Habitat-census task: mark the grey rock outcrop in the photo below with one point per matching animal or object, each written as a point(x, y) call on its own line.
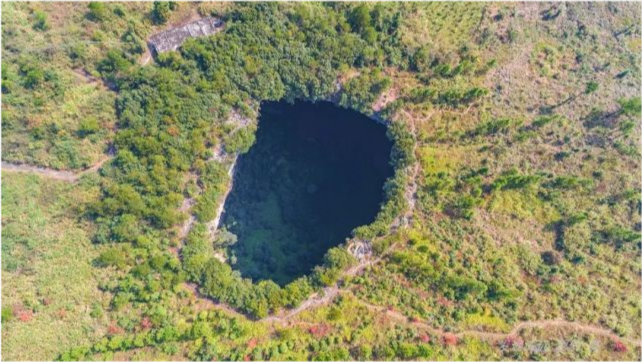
point(173, 38)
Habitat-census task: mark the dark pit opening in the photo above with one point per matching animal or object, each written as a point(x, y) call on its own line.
point(315, 173)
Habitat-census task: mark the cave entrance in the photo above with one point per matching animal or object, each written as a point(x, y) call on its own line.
point(315, 173)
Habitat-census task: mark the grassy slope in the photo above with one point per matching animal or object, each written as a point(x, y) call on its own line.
point(48, 282)
point(512, 227)
point(41, 122)
point(609, 278)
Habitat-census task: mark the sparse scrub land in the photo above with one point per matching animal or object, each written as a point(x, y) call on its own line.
point(510, 229)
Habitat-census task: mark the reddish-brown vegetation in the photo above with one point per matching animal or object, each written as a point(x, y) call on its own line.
point(320, 330)
point(114, 329)
point(146, 323)
point(252, 343)
point(24, 315)
point(618, 346)
point(450, 339)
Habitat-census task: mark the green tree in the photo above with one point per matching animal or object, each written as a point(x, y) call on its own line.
point(114, 256)
point(34, 77)
point(97, 11)
point(7, 314)
point(591, 87)
point(360, 18)
point(421, 60)
point(161, 11)
point(631, 107)
point(88, 126)
point(4, 70)
point(41, 21)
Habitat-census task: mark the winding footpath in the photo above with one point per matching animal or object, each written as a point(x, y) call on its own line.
point(68, 176)
point(497, 336)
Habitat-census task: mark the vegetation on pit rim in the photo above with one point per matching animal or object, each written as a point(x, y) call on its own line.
point(528, 196)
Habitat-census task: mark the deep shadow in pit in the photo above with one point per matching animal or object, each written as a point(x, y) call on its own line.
point(315, 173)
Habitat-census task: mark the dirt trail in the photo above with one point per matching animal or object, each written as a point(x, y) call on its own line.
point(496, 336)
point(68, 176)
point(327, 294)
point(411, 192)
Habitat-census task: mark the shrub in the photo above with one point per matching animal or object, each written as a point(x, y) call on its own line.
point(32, 75)
point(462, 286)
point(550, 257)
point(618, 346)
point(114, 64)
point(362, 91)
point(513, 180)
point(5, 86)
point(207, 205)
point(618, 236)
point(544, 120)
point(631, 107)
point(407, 351)
point(334, 261)
point(7, 314)
point(97, 11)
point(450, 339)
point(567, 183)
point(360, 18)
point(4, 70)
point(161, 11)
point(41, 21)
point(114, 256)
point(241, 140)
point(335, 314)
point(456, 97)
point(420, 60)
point(591, 87)
point(88, 126)
point(338, 258)
point(492, 127)
point(464, 206)
point(627, 127)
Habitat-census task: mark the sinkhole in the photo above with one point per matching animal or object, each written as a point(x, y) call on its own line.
point(315, 173)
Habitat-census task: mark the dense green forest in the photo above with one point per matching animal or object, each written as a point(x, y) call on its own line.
point(509, 230)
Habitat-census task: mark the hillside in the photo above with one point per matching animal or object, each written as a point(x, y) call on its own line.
point(509, 230)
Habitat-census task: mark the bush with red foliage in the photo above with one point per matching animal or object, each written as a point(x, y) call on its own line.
point(24, 315)
point(424, 338)
point(146, 323)
point(618, 346)
point(319, 330)
point(445, 302)
point(252, 343)
point(114, 329)
point(450, 339)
